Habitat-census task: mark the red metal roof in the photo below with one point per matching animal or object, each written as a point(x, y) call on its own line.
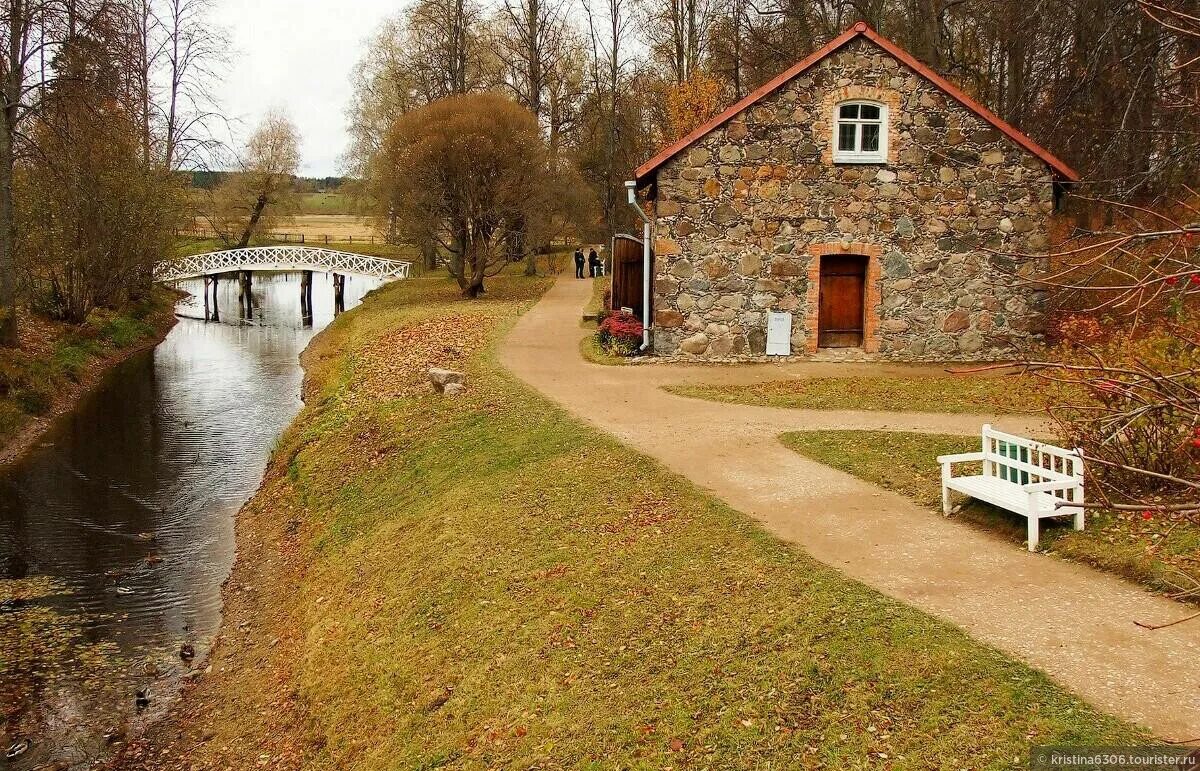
point(863, 30)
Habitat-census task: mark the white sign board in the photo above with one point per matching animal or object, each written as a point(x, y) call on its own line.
point(779, 334)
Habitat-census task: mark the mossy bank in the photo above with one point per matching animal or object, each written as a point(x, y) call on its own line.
point(483, 581)
point(57, 363)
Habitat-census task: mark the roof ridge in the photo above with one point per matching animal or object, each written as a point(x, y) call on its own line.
point(859, 29)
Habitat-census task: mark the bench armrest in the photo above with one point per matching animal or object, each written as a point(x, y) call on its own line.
point(964, 457)
point(1045, 487)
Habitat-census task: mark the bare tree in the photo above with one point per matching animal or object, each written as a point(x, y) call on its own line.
point(565, 89)
point(677, 31)
point(609, 30)
point(191, 52)
point(445, 50)
point(530, 41)
point(175, 56)
point(264, 186)
point(385, 87)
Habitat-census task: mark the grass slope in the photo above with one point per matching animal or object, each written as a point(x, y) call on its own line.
point(54, 359)
point(959, 394)
point(1160, 552)
point(491, 583)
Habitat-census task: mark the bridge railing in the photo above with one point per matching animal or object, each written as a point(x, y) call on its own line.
point(288, 258)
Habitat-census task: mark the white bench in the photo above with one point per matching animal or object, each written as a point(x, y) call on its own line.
point(1023, 476)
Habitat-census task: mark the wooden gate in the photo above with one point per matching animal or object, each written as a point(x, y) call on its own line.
point(843, 301)
point(627, 275)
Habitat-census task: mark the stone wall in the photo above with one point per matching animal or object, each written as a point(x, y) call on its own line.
point(743, 216)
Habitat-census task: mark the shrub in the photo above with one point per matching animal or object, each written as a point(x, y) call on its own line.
point(71, 360)
point(32, 401)
point(1130, 403)
point(11, 418)
point(620, 333)
point(123, 331)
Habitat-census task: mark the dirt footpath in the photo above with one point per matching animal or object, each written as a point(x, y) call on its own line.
point(1074, 623)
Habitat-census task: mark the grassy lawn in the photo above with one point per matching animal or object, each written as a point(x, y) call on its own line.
point(1159, 553)
point(596, 301)
point(963, 394)
point(490, 583)
point(54, 358)
point(589, 348)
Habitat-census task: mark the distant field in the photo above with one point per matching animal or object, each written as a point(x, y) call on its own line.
point(326, 203)
point(337, 226)
point(315, 228)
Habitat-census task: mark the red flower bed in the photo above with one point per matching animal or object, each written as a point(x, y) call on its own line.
point(621, 333)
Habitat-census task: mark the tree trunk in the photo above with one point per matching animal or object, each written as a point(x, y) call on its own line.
point(533, 56)
point(255, 216)
point(8, 228)
point(928, 18)
point(475, 286)
point(429, 255)
point(459, 263)
point(1015, 55)
point(8, 267)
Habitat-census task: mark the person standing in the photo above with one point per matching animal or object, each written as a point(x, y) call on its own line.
point(579, 262)
point(593, 263)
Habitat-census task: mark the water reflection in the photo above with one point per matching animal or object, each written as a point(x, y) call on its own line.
point(117, 532)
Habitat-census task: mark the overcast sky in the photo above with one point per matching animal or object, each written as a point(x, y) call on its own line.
point(297, 55)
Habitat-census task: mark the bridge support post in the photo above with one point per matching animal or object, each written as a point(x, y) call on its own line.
point(212, 309)
point(247, 294)
point(306, 309)
point(339, 293)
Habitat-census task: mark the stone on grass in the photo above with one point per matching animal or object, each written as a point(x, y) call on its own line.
point(442, 379)
point(453, 389)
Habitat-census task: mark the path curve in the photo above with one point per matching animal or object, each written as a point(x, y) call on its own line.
point(1073, 623)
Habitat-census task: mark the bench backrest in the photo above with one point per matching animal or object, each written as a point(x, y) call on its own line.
point(1024, 461)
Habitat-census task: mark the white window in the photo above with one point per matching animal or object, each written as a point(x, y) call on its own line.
point(860, 133)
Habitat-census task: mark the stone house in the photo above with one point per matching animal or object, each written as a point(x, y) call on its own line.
point(865, 195)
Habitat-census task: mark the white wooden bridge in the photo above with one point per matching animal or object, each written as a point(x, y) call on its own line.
point(289, 258)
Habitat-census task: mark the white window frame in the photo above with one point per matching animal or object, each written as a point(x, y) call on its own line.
point(858, 155)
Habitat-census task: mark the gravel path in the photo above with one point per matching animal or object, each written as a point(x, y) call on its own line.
point(1074, 623)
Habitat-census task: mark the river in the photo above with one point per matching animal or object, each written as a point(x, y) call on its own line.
point(117, 530)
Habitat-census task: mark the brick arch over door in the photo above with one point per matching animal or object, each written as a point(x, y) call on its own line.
point(871, 300)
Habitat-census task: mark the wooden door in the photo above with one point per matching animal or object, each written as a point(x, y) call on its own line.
point(627, 275)
point(842, 301)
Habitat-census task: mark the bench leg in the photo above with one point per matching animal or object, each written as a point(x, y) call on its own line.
point(1033, 532)
point(1079, 520)
point(945, 490)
